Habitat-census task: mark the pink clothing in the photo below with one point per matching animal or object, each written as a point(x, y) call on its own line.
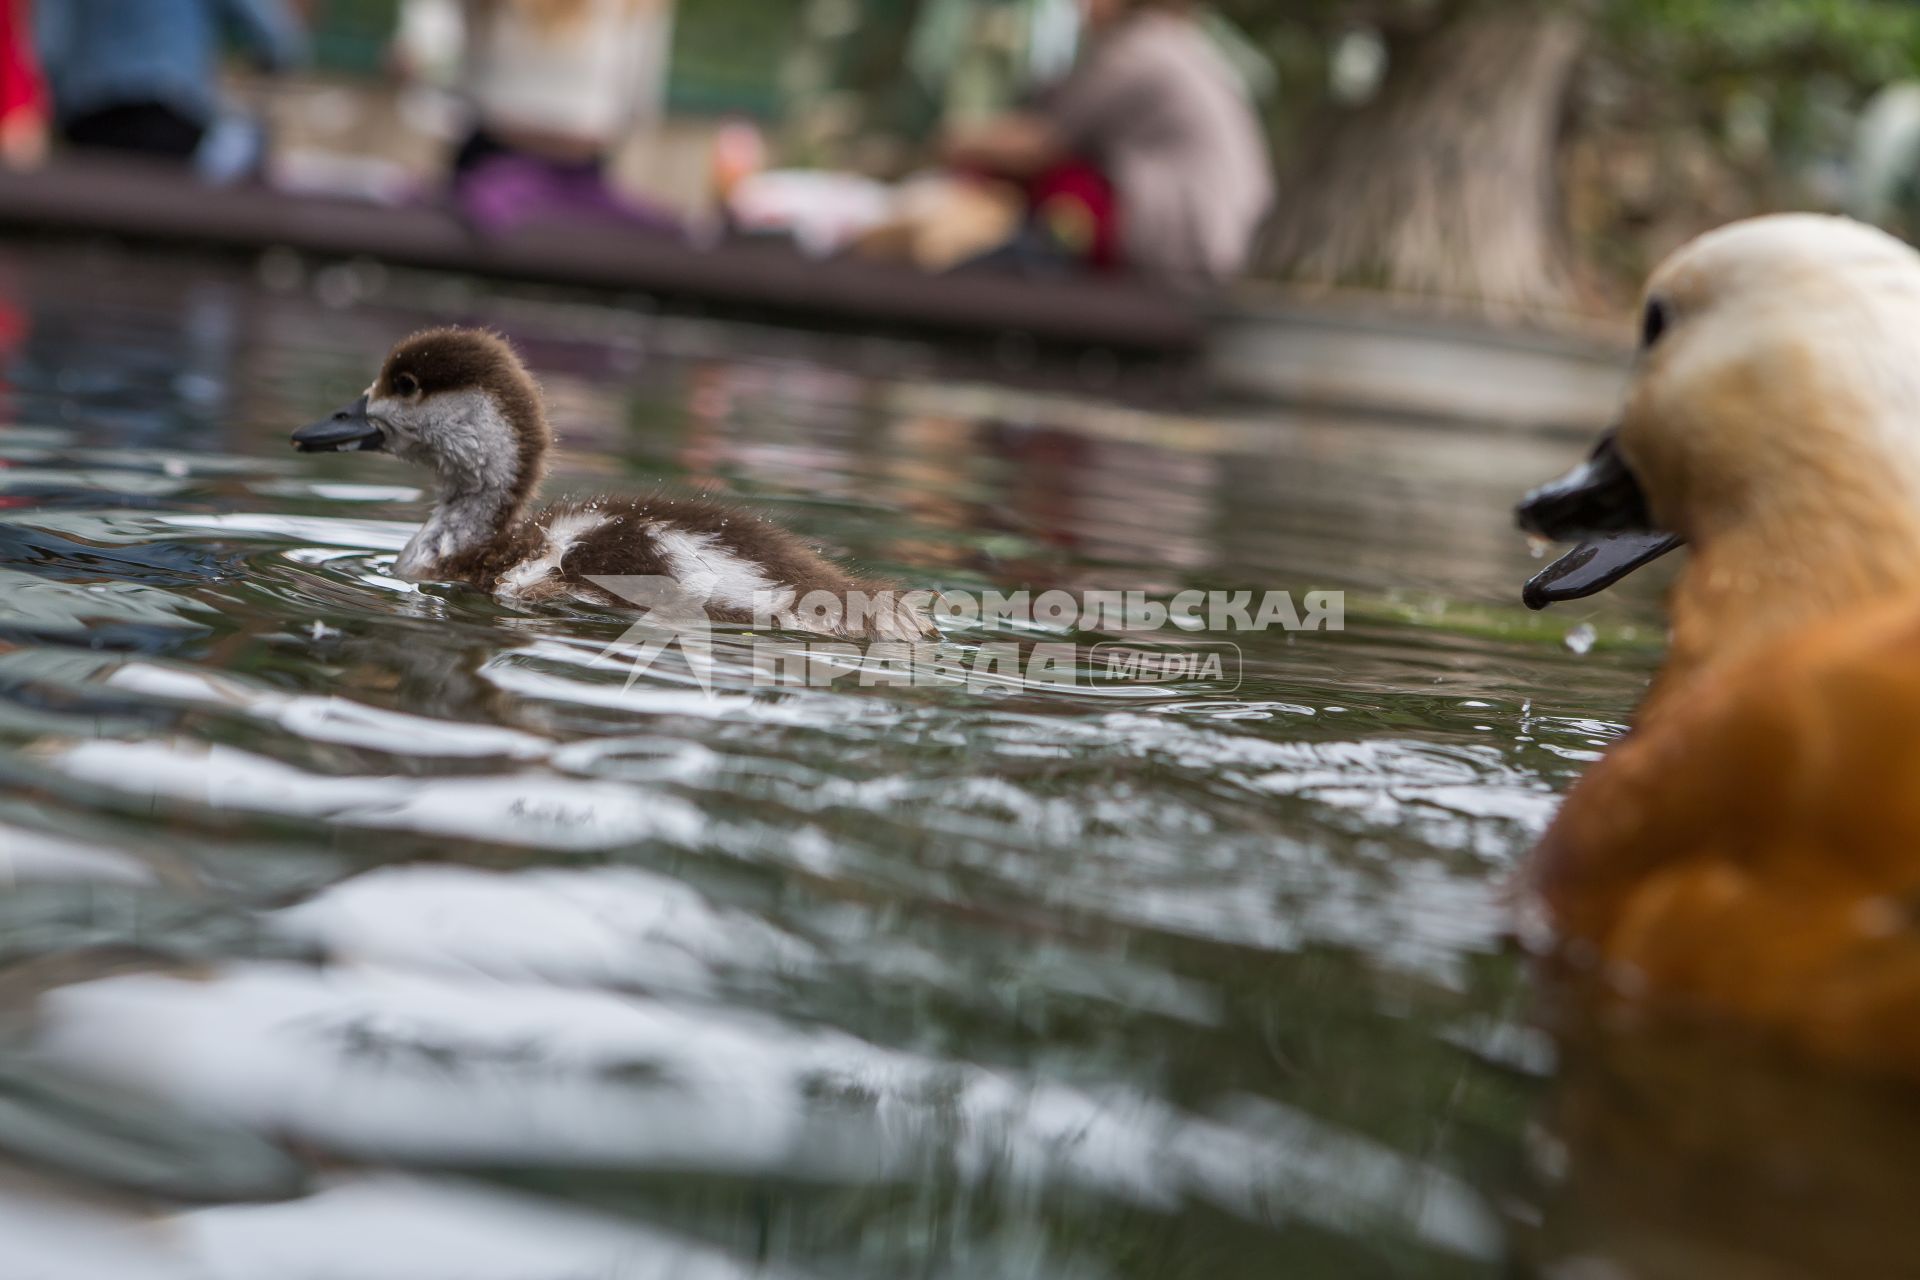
point(22, 89)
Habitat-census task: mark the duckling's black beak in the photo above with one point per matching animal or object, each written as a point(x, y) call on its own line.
point(1600, 505)
point(350, 428)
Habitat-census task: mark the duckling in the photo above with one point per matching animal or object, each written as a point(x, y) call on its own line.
point(1750, 851)
point(460, 403)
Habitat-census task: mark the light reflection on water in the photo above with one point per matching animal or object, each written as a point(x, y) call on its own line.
point(391, 910)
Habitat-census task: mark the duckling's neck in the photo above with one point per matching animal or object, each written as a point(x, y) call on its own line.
point(463, 526)
point(1762, 579)
point(488, 456)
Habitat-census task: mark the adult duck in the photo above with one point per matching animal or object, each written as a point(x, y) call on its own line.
point(1750, 851)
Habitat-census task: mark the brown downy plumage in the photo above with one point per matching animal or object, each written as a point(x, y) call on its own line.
point(461, 404)
point(1750, 852)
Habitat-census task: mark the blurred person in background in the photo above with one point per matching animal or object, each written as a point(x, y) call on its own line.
point(23, 96)
point(142, 76)
point(1148, 156)
point(554, 87)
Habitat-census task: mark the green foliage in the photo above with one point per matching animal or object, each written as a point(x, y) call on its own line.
point(1868, 42)
point(727, 55)
point(352, 35)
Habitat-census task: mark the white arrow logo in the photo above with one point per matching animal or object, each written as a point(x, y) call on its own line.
point(673, 613)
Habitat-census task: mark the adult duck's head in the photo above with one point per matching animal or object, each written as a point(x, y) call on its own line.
point(1772, 426)
point(456, 401)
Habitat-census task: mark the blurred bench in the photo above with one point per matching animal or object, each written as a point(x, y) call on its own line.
point(141, 202)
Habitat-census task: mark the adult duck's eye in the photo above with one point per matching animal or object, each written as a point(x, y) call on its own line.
point(405, 384)
point(1653, 323)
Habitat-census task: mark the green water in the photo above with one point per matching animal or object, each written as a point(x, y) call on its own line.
point(359, 929)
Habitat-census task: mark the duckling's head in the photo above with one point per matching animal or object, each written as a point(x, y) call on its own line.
point(1773, 416)
point(456, 401)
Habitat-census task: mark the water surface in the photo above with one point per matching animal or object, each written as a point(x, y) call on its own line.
point(354, 928)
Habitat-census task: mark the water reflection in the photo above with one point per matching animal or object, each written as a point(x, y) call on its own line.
point(1680, 1152)
point(362, 928)
point(368, 1227)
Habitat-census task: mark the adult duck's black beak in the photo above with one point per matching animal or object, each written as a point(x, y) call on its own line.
point(1600, 505)
point(350, 428)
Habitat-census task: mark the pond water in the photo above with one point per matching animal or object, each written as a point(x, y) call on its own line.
point(358, 929)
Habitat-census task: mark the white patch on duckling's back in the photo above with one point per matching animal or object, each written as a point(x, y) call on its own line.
point(536, 574)
point(708, 570)
point(702, 564)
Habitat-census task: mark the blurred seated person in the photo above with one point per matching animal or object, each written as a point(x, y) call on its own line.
point(555, 87)
point(143, 75)
point(1148, 156)
point(23, 98)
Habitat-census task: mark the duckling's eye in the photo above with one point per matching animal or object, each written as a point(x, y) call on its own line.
point(406, 385)
point(1653, 324)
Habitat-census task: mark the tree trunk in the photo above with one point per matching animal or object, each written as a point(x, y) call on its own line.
point(1444, 184)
